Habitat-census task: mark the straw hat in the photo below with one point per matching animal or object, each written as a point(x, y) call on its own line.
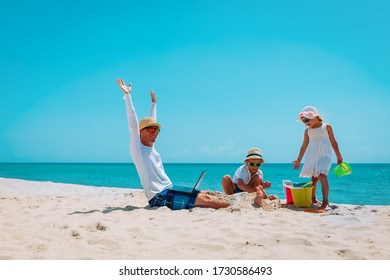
point(254, 153)
point(148, 121)
point(309, 112)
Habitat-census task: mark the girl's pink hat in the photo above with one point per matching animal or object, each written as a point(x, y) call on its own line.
point(309, 112)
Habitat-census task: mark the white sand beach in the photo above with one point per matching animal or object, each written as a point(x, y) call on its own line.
point(52, 221)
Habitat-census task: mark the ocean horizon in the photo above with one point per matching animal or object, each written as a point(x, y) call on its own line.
point(369, 183)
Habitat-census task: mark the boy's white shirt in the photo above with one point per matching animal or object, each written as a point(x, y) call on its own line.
point(243, 173)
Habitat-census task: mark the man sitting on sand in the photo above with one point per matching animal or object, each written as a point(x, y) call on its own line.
point(156, 183)
point(248, 177)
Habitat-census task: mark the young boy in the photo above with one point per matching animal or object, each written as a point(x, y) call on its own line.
point(248, 177)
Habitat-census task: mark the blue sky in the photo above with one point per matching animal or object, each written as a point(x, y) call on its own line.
point(228, 75)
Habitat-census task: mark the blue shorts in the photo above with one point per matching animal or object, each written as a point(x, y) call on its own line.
point(174, 200)
point(237, 189)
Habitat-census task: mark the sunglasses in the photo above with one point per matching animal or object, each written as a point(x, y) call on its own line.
point(306, 120)
point(254, 164)
point(152, 129)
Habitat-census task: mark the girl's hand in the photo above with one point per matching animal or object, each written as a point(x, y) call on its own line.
point(124, 88)
point(297, 164)
point(339, 159)
point(153, 96)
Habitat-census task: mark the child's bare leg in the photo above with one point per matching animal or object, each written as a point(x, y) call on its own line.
point(325, 191)
point(259, 196)
point(254, 182)
point(313, 196)
point(227, 184)
point(258, 182)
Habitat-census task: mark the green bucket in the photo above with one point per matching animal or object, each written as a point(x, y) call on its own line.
point(342, 169)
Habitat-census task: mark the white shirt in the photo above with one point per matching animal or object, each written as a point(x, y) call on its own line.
point(146, 159)
point(243, 173)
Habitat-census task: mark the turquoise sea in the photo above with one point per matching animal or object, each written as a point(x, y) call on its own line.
point(369, 184)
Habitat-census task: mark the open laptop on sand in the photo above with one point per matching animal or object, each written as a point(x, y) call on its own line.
point(188, 189)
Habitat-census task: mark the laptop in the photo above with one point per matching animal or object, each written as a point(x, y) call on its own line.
point(188, 189)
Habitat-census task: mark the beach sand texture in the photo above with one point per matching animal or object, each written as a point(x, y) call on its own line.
point(52, 221)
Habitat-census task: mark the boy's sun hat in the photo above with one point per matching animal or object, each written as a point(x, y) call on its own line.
point(309, 112)
point(254, 153)
point(148, 121)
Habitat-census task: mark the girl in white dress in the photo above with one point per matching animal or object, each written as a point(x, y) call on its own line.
point(318, 142)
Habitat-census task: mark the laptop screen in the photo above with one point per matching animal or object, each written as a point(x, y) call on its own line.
point(200, 179)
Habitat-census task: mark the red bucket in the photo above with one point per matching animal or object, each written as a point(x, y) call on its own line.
point(289, 197)
point(287, 185)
